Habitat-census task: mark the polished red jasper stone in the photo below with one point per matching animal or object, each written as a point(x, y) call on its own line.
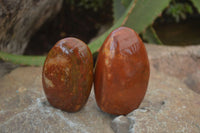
point(68, 74)
point(122, 72)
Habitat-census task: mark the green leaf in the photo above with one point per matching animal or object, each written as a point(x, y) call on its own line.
point(126, 2)
point(95, 45)
point(196, 4)
point(23, 60)
point(150, 36)
point(118, 9)
point(145, 13)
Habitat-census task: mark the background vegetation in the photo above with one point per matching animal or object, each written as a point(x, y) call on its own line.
point(137, 14)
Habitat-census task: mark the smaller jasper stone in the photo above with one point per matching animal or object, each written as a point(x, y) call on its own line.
point(68, 74)
point(122, 72)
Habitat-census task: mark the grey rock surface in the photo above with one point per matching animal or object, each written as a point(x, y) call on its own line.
point(19, 19)
point(182, 63)
point(169, 106)
point(24, 108)
point(6, 67)
point(171, 103)
point(121, 124)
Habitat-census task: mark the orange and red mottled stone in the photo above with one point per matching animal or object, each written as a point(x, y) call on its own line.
point(68, 74)
point(122, 72)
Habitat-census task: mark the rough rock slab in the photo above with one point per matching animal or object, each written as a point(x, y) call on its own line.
point(19, 19)
point(170, 105)
point(24, 108)
point(182, 63)
point(6, 67)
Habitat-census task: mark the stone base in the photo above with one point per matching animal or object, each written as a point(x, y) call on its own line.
point(171, 103)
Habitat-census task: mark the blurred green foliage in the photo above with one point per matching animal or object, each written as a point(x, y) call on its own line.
point(179, 11)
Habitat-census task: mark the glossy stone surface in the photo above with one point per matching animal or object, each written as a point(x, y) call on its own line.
point(122, 72)
point(68, 74)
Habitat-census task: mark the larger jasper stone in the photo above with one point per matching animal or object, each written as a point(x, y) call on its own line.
point(122, 72)
point(68, 74)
